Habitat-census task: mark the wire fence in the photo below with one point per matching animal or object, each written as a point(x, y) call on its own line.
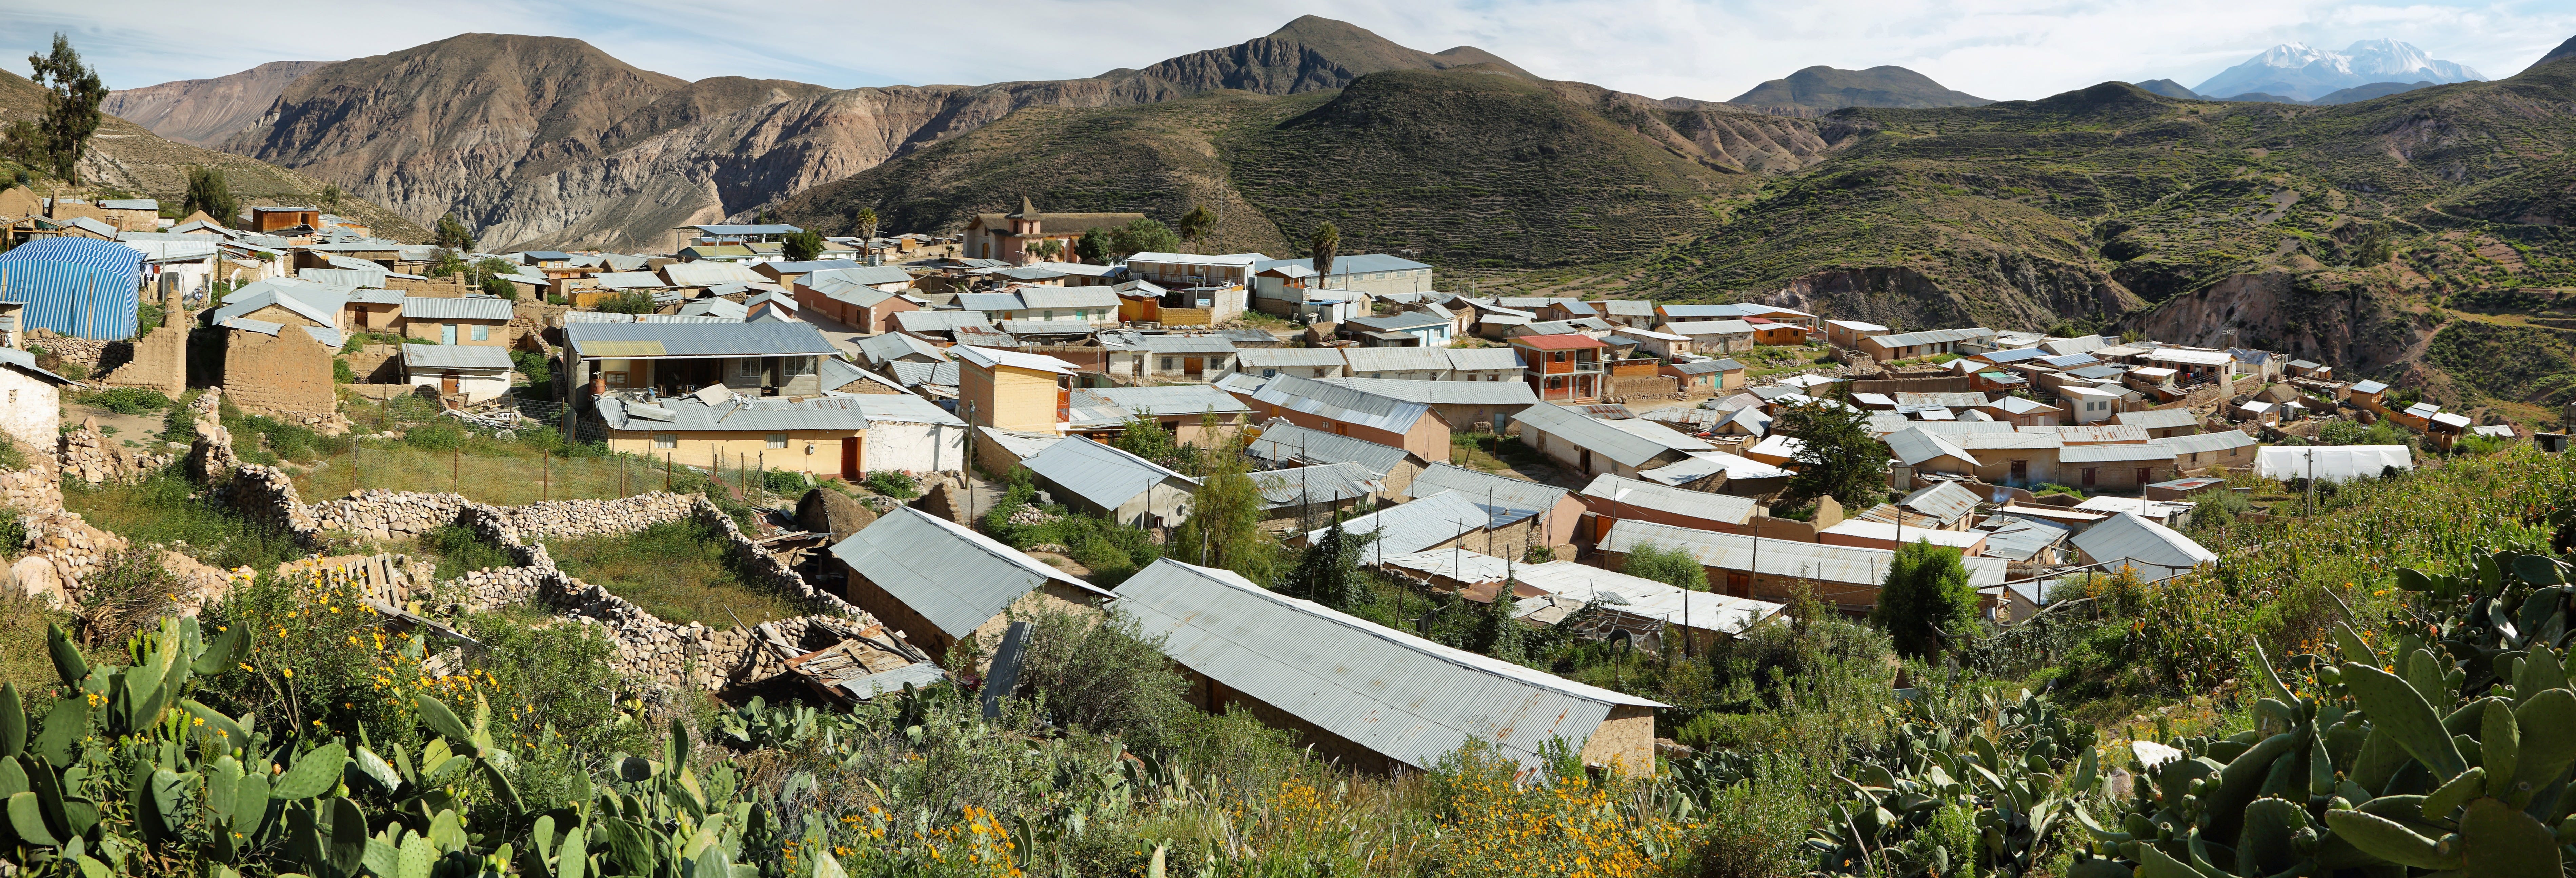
point(526, 463)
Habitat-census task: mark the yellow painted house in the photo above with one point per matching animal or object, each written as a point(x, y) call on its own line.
point(1031, 393)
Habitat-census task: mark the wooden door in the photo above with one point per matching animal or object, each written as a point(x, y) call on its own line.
point(1193, 365)
point(2020, 471)
point(447, 382)
point(2088, 476)
point(2145, 475)
point(850, 459)
point(1586, 467)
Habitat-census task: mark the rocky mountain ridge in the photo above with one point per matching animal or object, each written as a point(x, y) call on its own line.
point(2302, 72)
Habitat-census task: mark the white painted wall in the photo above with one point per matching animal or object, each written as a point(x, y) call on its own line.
point(918, 448)
point(30, 410)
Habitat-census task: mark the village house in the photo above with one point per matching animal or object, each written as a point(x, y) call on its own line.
point(1629, 313)
point(1317, 405)
point(1013, 390)
point(1297, 498)
point(1844, 577)
point(1591, 447)
point(1449, 519)
point(74, 287)
point(1610, 499)
point(864, 298)
point(477, 372)
point(717, 427)
point(1917, 345)
point(1558, 513)
point(1482, 406)
point(1413, 363)
point(1484, 364)
point(1369, 697)
point(1374, 274)
point(468, 321)
point(2086, 404)
point(2154, 552)
point(30, 400)
point(1848, 333)
point(1706, 377)
point(1563, 368)
point(1012, 237)
point(1301, 362)
point(1095, 305)
point(1869, 534)
point(1737, 311)
point(1710, 337)
point(1185, 270)
point(2197, 451)
point(1410, 329)
point(1195, 414)
point(2116, 466)
point(1769, 332)
point(2161, 423)
point(1280, 443)
point(752, 359)
point(1103, 480)
point(1187, 357)
point(943, 584)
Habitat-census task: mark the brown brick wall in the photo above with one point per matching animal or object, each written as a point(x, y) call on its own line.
point(284, 374)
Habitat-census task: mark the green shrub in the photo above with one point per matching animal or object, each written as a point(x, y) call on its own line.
point(437, 435)
point(1674, 567)
point(1104, 676)
point(340, 372)
point(632, 302)
point(891, 483)
point(126, 400)
point(460, 551)
point(789, 482)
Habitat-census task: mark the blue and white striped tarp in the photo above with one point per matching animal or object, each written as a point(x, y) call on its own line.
point(73, 286)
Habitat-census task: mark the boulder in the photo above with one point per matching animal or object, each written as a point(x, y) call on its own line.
point(824, 510)
point(34, 577)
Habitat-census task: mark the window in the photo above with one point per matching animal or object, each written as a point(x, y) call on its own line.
point(1170, 363)
point(482, 333)
point(746, 367)
point(775, 440)
point(666, 440)
point(1265, 373)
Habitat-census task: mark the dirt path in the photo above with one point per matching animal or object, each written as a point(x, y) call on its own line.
point(133, 430)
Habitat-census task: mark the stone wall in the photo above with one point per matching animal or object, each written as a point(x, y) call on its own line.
point(92, 457)
point(92, 353)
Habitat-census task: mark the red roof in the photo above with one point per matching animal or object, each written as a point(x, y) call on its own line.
point(1559, 342)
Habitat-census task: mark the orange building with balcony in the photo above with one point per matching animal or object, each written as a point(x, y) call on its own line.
point(1563, 368)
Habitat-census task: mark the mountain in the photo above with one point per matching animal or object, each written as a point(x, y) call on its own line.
point(1822, 89)
point(2366, 92)
point(202, 112)
point(2564, 50)
point(545, 142)
point(125, 157)
point(2168, 88)
point(1463, 167)
point(2298, 71)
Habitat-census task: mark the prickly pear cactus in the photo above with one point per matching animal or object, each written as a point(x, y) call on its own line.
point(2447, 747)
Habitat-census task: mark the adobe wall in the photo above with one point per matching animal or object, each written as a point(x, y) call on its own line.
point(287, 375)
point(1941, 384)
point(159, 362)
point(376, 364)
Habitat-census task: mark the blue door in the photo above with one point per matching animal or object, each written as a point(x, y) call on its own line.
point(447, 333)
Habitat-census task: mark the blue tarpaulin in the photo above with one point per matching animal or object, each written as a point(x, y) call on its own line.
point(73, 286)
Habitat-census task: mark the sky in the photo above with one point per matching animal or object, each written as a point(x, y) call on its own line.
point(1714, 50)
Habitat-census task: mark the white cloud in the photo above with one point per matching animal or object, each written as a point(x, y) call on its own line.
point(2002, 49)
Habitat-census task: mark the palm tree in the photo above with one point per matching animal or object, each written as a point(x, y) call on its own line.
point(1326, 242)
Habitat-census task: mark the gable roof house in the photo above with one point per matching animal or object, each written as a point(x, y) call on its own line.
point(1463, 404)
point(865, 297)
point(1762, 568)
point(1014, 390)
point(1097, 478)
point(1301, 362)
point(1281, 443)
point(774, 359)
point(1592, 447)
point(941, 583)
point(1331, 408)
point(1448, 519)
point(1366, 696)
point(478, 372)
point(1297, 498)
point(2154, 551)
point(2160, 423)
point(1559, 512)
point(717, 427)
point(1611, 499)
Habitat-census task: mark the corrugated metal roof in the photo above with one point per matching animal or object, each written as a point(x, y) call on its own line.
point(899, 346)
point(1022, 446)
point(426, 308)
point(449, 356)
point(716, 308)
point(1048, 327)
point(1427, 522)
point(1407, 698)
point(1103, 476)
point(1175, 399)
point(1636, 596)
point(990, 357)
point(1933, 336)
point(1501, 393)
point(1481, 359)
point(904, 408)
point(909, 372)
point(1434, 360)
point(708, 274)
point(2368, 386)
point(2156, 552)
point(938, 321)
point(1607, 438)
point(2140, 452)
point(749, 229)
point(1914, 446)
point(2094, 434)
point(302, 306)
point(1342, 404)
point(1454, 564)
point(1328, 483)
point(737, 413)
point(1187, 344)
point(1617, 495)
point(1708, 327)
point(1348, 264)
point(1272, 358)
point(1945, 502)
point(1848, 565)
point(26, 362)
point(699, 339)
point(1703, 464)
point(954, 577)
point(1485, 487)
point(1281, 441)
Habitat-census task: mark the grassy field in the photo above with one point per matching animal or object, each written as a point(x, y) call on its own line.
point(166, 508)
point(676, 571)
point(482, 469)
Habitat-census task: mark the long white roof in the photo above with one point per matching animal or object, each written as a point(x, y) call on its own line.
point(1407, 698)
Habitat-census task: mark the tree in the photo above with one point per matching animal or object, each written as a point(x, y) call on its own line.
point(72, 96)
point(452, 234)
point(1837, 457)
point(448, 264)
point(1673, 567)
point(331, 194)
point(1324, 245)
point(803, 246)
point(865, 222)
point(1142, 235)
point(1224, 527)
point(1497, 633)
point(210, 192)
point(1093, 247)
point(1198, 224)
point(1926, 601)
point(1049, 248)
